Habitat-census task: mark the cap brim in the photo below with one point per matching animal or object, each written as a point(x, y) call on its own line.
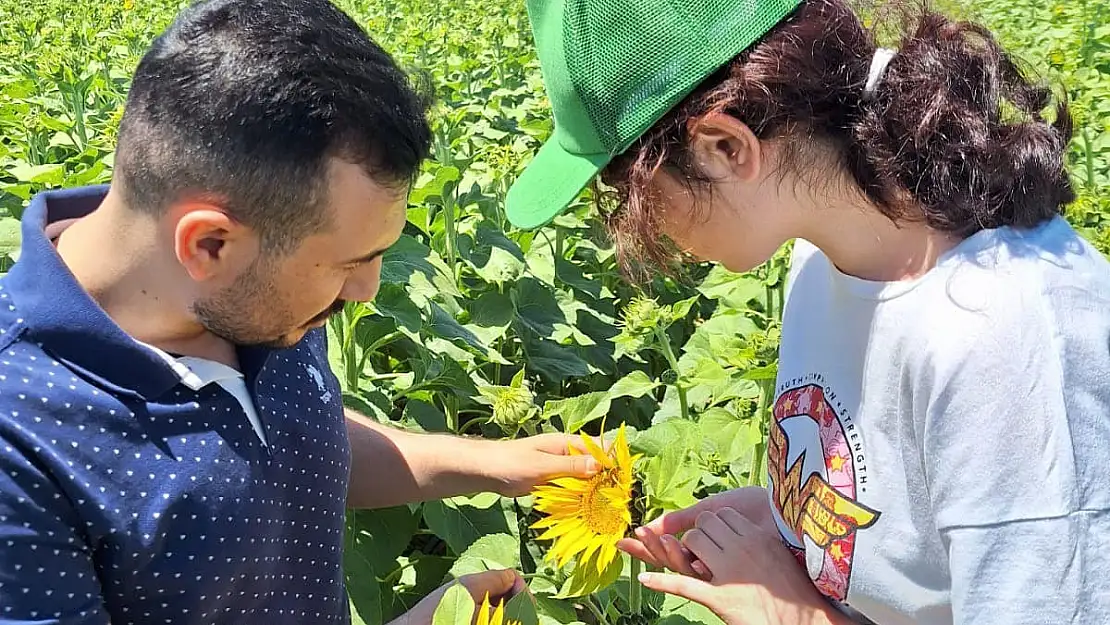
point(549, 184)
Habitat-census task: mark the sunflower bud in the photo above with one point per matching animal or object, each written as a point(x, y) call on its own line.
point(512, 405)
point(642, 316)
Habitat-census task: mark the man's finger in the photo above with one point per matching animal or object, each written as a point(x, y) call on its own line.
point(553, 466)
point(600, 441)
point(519, 586)
point(690, 588)
point(554, 461)
point(498, 583)
point(553, 443)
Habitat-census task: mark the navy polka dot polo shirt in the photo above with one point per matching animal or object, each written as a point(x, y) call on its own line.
point(140, 488)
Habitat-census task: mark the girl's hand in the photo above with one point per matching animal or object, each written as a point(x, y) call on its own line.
point(748, 577)
point(655, 543)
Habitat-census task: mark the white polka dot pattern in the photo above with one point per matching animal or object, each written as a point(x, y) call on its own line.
point(169, 510)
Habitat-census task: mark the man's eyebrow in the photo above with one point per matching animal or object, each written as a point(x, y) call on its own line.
point(368, 257)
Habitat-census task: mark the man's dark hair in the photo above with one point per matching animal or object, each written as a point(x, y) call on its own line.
point(246, 101)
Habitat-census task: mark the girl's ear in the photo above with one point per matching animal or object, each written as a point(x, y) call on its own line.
point(724, 147)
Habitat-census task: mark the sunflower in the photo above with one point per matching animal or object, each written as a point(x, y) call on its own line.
point(487, 615)
point(587, 516)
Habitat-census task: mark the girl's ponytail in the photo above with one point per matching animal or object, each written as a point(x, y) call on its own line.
point(954, 134)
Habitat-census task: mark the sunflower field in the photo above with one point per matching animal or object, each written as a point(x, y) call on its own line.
point(484, 330)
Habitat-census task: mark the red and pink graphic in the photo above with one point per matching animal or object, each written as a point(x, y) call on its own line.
point(817, 500)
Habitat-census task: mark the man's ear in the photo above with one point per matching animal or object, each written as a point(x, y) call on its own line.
point(209, 243)
point(725, 147)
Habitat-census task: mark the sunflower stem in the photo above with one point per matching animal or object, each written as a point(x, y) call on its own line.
point(471, 424)
point(451, 411)
point(665, 346)
point(397, 572)
point(598, 614)
point(635, 590)
point(766, 389)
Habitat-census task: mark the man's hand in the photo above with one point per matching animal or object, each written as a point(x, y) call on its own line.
point(515, 467)
point(392, 467)
point(656, 542)
point(503, 584)
point(754, 578)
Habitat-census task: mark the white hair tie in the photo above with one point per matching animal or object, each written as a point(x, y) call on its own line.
point(879, 62)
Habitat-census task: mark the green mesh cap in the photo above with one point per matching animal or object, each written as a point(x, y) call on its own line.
point(612, 68)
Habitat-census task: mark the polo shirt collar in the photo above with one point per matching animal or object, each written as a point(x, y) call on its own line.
point(197, 373)
point(59, 314)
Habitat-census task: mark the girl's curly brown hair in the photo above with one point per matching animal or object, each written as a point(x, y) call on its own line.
point(953, 135)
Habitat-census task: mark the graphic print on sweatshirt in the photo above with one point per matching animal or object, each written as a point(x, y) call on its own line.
point(817, 468)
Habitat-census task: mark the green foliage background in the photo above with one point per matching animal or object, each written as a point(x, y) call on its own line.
point(486, 330)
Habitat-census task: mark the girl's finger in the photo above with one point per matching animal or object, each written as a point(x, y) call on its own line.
point(702, 570)
point(654, 545)
point(681, 586)
point(738, 523)
point(678, 558)
point(678, 521)
point(703, 548)
point(717, 530)
point(637, 549)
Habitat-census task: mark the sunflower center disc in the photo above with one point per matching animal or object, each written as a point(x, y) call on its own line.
point(601, 514)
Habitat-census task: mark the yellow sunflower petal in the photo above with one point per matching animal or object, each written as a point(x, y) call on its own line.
point(499, 614)
point(564, 509)
point(564, 545)
point(621, 445)
point(576, 484)
point(483, 611)
point(562, 529)
point(589, 552)
point(608, 552)
point(597, 452)
point(546, 521)
point(583, 543)
point(563, 496)
point(600, 563)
